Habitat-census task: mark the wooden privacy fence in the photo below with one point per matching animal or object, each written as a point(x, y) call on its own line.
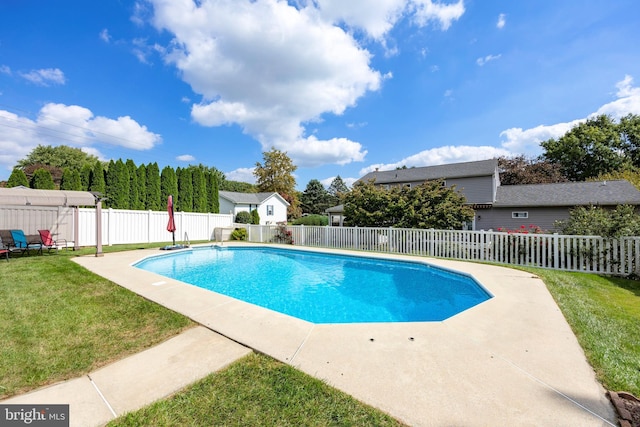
point(571, 253)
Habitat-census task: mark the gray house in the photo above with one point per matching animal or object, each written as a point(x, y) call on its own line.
point(510, 206)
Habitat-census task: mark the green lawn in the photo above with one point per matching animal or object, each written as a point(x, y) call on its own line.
point(604, 313)
point(258, 391)
point(60, 321)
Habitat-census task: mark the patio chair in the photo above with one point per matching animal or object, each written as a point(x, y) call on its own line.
point(21, 242)
point(47, 241)
point(4, 249)
point(7, 243)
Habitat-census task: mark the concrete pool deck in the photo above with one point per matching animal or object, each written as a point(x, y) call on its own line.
point(512, 360)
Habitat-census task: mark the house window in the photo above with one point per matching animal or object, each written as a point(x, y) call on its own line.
point(520, 215)
point(269, 210)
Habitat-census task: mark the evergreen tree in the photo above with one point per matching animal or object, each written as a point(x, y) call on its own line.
point(42, 180)
point(109, 184)
point(199, 190)
point(142, 187)
point(70, 180)
point(133, 184)
point(168, 183)
point(315, 198)
point(96, 179)
point(185, 191)
point(153, 187)
point(85, 176)
point(118, 185)
point(213, 196)
point(337, 190)
point(17, 178)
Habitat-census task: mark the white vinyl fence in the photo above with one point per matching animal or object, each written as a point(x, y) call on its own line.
point(572, 253)
point(129, 226)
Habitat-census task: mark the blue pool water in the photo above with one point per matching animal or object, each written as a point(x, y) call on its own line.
point(324, 288)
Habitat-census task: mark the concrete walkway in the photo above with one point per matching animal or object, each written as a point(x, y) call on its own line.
point(139, 380)
point(512, 360)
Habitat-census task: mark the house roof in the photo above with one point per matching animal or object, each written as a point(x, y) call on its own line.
point(22, 196)
point(605, 193)
point(335, 209)
point(454, 170)
point(249, 198)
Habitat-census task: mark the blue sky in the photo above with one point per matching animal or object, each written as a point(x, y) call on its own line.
point(342, 87)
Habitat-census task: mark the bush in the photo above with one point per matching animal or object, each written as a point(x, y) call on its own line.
point(239, 234)
point(243, 218)
point(597, 221)
point(283, 235)
point(314, 219)
point(255, 217)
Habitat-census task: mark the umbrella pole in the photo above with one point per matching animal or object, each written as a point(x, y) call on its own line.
point(174, 237)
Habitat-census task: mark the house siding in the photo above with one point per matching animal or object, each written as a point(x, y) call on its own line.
point(475, 190)
point(545, 218)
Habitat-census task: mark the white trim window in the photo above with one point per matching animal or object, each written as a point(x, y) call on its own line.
point(269, 210)
point(520, 215)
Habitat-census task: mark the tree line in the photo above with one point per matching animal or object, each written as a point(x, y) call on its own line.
point(123, 184)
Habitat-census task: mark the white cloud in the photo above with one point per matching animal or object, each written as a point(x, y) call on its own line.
point(440, 156)
point(518, 140)
point(377, 18)
point(488, 58)
point(502, 21)
point(73, 125)
point(273, 67)
point(428, 10)
point(242, 175)
point(185, 158)
point(528, 141)
point(105, 36)
point(45, 76)
point(277, 70)
point(4, 69)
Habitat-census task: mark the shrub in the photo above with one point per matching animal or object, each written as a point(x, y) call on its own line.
point(593, 220)
point(243, 218)
point(239, 234)
point(312, 220)
point(283, 235)
point(255, 217)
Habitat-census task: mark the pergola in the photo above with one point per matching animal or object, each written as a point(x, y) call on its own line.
point(23, 196)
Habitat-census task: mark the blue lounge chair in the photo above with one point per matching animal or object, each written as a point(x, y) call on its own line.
point(20, 242)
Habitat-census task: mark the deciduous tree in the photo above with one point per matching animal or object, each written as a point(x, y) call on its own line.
point(276, 174)
point(430, 205)
point(520, 170)
point(588, 149)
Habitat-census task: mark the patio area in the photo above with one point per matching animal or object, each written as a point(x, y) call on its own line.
point(512, 360)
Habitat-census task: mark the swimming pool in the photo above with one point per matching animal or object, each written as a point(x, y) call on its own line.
point(322, 287)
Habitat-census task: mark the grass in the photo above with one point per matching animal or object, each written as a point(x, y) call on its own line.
point(60, 321)
point(604, 313)
point(258, 391)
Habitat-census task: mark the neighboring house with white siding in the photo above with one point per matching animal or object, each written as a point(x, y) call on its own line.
point(509, 206)
point(272, 207)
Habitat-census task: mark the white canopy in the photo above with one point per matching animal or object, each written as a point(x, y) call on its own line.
point(22, 196)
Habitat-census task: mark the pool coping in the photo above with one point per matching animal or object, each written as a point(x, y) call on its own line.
point(511, 360)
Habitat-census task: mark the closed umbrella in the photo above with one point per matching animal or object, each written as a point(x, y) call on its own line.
point(171, 226)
